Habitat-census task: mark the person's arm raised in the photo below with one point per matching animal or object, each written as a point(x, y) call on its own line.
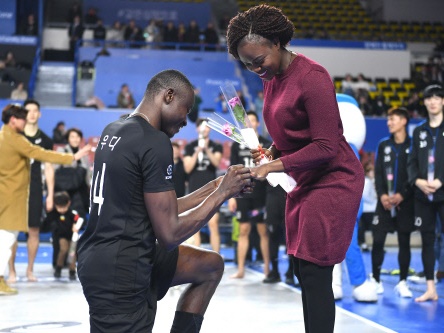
point(162, 207)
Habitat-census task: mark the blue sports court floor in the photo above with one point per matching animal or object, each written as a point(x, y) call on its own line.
point(245, 305)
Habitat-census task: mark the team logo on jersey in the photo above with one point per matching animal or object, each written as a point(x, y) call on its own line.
point(375, 220)
point(169, 172)
point(422, 135)
point(407, 151)
point(387, 150)
point(418, 221)
point(38, 141)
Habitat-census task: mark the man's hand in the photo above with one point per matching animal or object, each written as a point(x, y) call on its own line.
point(385, 201)
point(426, 187)
point(396, 199)
point(235, 180)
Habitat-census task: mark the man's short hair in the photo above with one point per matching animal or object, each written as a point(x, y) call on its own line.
point(433, 90)
point(200, 121)
point(253, 114)
point(31, 101)
point(13, 110)
point(61, 199)
point(400, 111)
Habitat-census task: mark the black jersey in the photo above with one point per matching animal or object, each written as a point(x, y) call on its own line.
point(240, 154)
point(61, 224)
point(116, 251)
point(204, 171)
point(427, 143)
point(391, 176)
point(42, 140)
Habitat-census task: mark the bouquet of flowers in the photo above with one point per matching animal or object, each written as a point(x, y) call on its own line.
point(242, 132)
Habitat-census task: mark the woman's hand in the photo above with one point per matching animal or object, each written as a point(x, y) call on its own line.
point(259, 172)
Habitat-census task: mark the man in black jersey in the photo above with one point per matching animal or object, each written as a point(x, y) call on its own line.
point(123, 270)
point(250, 209)
point(36, 136)
point(394, 210)
point(426, 173)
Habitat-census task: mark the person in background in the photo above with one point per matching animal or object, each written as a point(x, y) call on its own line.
point(15, 179)
point(80, 196)
point(370, 200)
point(99, 32)
point(249, 210)
point(91, 17)
point(115, 34)
point(29, 28)
point(426, 174)
point(125, 99)
point(75, 33)
point(194, 113)
point(63, 222)
point(59, 133)
point(19, 93)
point(201, 160)
point(302, 117)
point(179, 175)
point(394, 210)
point(36, 200)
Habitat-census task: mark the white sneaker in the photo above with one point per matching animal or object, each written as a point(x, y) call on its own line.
point(403, 289)
point(378, 285)
point(365, 292)
point(337, 292)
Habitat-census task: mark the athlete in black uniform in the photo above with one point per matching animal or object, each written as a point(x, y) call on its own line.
point(36, 136)
point(133, 203)
point(250, 209)
point(426, 172)
point(394, 209)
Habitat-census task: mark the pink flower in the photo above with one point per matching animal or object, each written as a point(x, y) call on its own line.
point(227, 130)
point(234, 101)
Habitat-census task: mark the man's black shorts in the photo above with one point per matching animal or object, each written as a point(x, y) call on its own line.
point(142, 320)
point(249, 210)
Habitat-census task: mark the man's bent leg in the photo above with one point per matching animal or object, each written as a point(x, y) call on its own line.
point(203, 270)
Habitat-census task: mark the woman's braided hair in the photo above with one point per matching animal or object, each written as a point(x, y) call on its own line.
point(263, 20)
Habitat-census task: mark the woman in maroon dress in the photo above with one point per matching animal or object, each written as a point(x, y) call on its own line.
point(302, 117)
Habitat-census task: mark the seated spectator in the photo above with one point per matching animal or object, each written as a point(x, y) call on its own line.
point(20, 92)
point(125, 98)
point(115, 33)
point(414, 106)
point(59, 133)
point(181, 32)
point(9, 60)
point(91, 16)
point(192, 34)
point(99, 32)
point(170, 35)
point(348, 86)
point(152, 32)
point(210, 33)
point(136, 37)
point(29, 28)
point(129, 29)
point(362, 85)
point(379, 106)
point(221, 104)
point(365, 105)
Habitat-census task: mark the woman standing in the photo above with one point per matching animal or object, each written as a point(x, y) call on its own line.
point(79, 195)
point(302, 116)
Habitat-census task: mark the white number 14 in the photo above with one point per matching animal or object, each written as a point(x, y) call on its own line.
point(98, 199)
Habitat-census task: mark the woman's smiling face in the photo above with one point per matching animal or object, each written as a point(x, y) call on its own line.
point(260, 56)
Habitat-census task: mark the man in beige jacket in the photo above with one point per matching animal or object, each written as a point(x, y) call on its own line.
point(15, 154)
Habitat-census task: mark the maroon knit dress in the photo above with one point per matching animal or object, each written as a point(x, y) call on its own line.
point(302, 117)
